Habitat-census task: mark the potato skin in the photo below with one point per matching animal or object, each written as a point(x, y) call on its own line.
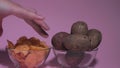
point(74, 58)
point(57, 40)
point(77, 42)
point(79, 27)
point(95, 37)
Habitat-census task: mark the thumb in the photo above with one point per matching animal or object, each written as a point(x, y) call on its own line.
point(1, 29)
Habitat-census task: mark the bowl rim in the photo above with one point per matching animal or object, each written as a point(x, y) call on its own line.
point(48, 48)
point(96, 49)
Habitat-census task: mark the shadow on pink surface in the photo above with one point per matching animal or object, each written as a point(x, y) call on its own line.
point(5, 60)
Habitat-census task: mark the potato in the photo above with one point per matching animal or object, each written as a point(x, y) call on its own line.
point(79, 27)
point(57, 40)
point(95, 37)
point(74, 58)
point(77, 42)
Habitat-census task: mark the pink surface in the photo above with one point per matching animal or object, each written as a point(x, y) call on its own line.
point(60, 15)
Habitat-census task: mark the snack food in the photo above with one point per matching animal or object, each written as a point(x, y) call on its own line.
point(28, 52)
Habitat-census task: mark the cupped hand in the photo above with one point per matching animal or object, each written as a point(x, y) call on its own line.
point(36, 21)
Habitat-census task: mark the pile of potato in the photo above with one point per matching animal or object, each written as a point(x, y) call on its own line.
point(80, 39)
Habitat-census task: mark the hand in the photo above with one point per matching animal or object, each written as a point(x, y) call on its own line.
point(8, 7)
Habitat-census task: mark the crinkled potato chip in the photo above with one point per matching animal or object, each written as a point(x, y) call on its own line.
point(23, 44)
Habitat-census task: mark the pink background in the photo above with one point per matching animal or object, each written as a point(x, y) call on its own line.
point(60, 15)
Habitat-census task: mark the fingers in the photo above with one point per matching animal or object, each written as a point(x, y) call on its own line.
point(37, 28)
point(32, 15)
point(42, 24)
point(1, 29)
point(39, 19)
point(37, 22)
point(32, 18)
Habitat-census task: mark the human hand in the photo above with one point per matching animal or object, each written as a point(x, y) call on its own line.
point(36, 21)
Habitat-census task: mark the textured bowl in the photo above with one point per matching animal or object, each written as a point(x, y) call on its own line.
point(28, 59)
point(86, 60)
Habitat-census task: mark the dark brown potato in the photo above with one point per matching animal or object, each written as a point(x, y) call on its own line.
point(57, 40)
point(79, 27)
point(74, 58)
point(77, 42)
point(95, 37)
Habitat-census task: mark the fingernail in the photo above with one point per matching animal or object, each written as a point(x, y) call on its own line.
point(45, 26)
point(41, 17)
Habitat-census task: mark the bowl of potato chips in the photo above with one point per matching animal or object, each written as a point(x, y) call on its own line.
point(28, 53)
